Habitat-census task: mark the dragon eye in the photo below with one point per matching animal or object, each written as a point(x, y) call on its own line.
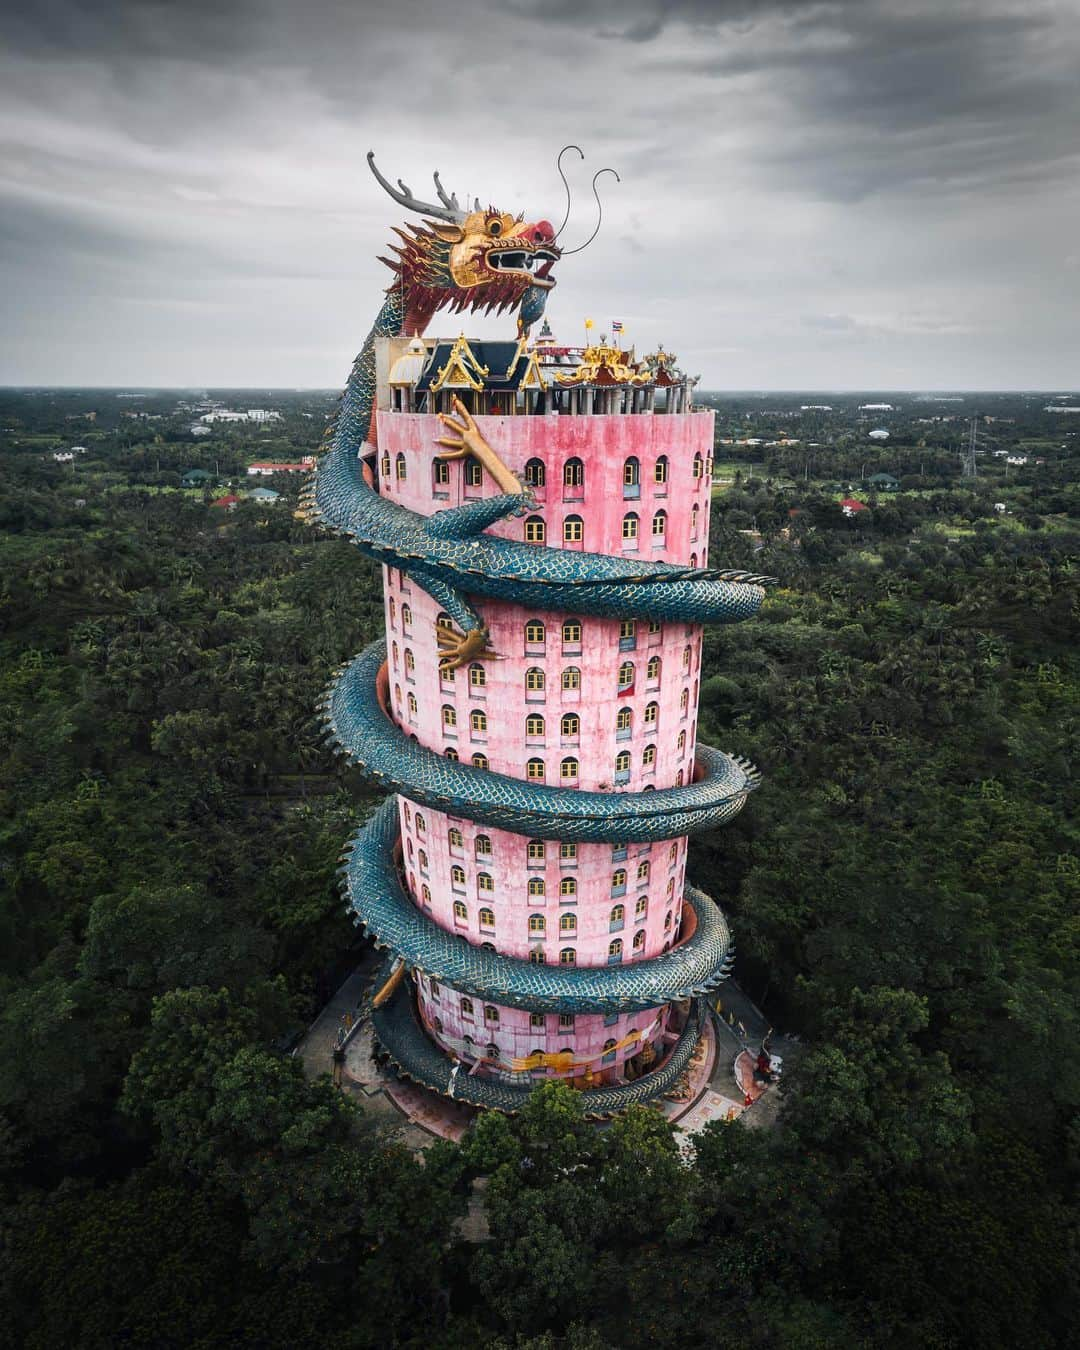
point(495, 227)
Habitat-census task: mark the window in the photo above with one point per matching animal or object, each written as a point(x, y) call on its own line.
point(639, 940)
point(673, 854)
point(684, 701)
point(455, 838)
point(682, 742)
point(484, 881)
point(442, 473)
point(461, 913)
point(630, 527)
point(410, 661)
point(535, 473)
point(492, 1051)
point(631, 477)
point(698, 464)
point(466, 1007)
point(609, 1052)
point(474, 473)
point(451, 753)
point(425, 894)
point(679, 778)
point(567, 957)
point(571, 678)
point(618, 881)
point(401, 469)
point(566, 1020)
point(571, 633)
point(535, 530)
point(434, 987)
point(652, 712)
point(652, 670)
point(536, 851)
point(413, 706)
point(397, 693)
point(660, 470)
point(655, 627)
point(483, 846)
point(568, 853)
point(477, 676)
point(535, 633)
point(491, 1013)
point(648, 757)
point(536, 1020)
point(569, 768)
point(570, 726)
point(573, 475)
point(423, 860)
point(534, 725)
point(687, 657)
point(614, 951)
point(695, 514)
point(568, 924)
point(643, 872)
point(626, 675)
point(667, 922)
point(477, 721)
point(537, 957)
point(393, 613)
point(384, 465)
point(617, 917)
point(443, 623)
point(659, 525)
point(628, 633)
point(535, 771)
point(641, 907)
point(567, 887)
point(449, 715)
point(480, 761)
point(537, 886)
point(622, 762)
point(487, 918)
point(534, 679)
point(573, 530)
point(457, 877)
point(406, 616)
point(624, 720)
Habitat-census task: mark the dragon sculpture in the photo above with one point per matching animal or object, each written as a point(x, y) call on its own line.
point(489, 260)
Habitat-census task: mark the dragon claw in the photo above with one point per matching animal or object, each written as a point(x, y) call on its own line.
point(458, 649)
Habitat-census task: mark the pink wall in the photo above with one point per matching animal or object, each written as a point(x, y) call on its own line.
point(480, 889)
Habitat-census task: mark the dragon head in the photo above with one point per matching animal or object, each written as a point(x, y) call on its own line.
point(469, 259)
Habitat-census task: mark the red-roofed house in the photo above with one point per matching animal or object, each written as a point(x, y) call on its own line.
point(265, 468)
point(851, 506)
point(228, 503)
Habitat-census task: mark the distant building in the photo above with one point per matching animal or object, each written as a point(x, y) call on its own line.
point(264, 495)
point(815, 407)
point(195, 478)
point(851, 506)
point(264, 468)
point(875, 407)
point(63, 456)
point(251, 415)
point(227, 503)
point(1062, 408)
point(884, 482)
point(878, 434)
point(202, 431)
point(1016, 459)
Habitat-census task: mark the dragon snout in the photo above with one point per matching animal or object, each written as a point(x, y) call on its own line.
point(543, 232)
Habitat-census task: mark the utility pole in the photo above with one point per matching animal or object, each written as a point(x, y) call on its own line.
point(968, 468)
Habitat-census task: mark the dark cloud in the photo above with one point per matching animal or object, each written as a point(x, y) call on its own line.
point(810, 191)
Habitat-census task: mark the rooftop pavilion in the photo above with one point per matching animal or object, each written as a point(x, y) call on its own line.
point(523, 378)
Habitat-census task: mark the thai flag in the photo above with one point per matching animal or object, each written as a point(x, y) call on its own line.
point(616, 325)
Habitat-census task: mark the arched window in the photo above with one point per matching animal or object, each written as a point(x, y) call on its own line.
point(648, 757)
point(659, 525)
point(622, 762)
point(485, 881)
point(568, 924)
point(412, 704)
point(406, 616)
point(617, 917)
point(455, 838)
point(449, 715)
point(652, 712)
point(673, 854)
point(410, 661)
point(571, 633)
point(457, 877)
point(624, 720)
point(393, 612)
point(684, 701)
point(443, 623)
point(492, 1051)
point(670, 890)
point(408, 816)
point(569, 768)
point(693, 559)
point(534, 725)
point(438, 1025)
point(536, 956)
point(568, 957)
point(698, 464)
point(630, 529)
point(535, 633)
point(535, 771)
point(568, 887)
point(660, 469)
point(425, 893)
point(480, 761)
point(461, 912)
point(618, 880)
point(402, 471)
point(667, 922)
point(534, 680)
point(451, 753)
point(643, 872)
point(573, 477)
point(679, 778)
point(537, 886)
point(682, 742)
point(571, 678)
point(409, 848)
point(614, 951)
point(487, 918)
point(695, 515)
point(483, 846)
point(535, 530)
point(477, 676)
point(631, 477)
point(626, 675)
point(573, 530)
point(535, 473)
point(570, 726)
point(652, 670)
point(384, 464)
point(477, 721)
point(422, 858)
point(640, 906)
point(687, 657)
point(609, 1052)
point(536, 851)
point(466, 1007)
point(639, 940)
point(537, 925)
point(491, 1013)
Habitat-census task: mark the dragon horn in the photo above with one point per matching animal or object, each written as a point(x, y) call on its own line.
point(451, 202)
point(406, 199)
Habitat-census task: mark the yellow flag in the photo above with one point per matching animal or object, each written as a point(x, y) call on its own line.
point(588, 323)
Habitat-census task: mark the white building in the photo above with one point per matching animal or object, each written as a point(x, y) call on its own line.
point(878, 434)
point(876, 407)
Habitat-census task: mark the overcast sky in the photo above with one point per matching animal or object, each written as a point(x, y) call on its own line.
point(814, 195)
